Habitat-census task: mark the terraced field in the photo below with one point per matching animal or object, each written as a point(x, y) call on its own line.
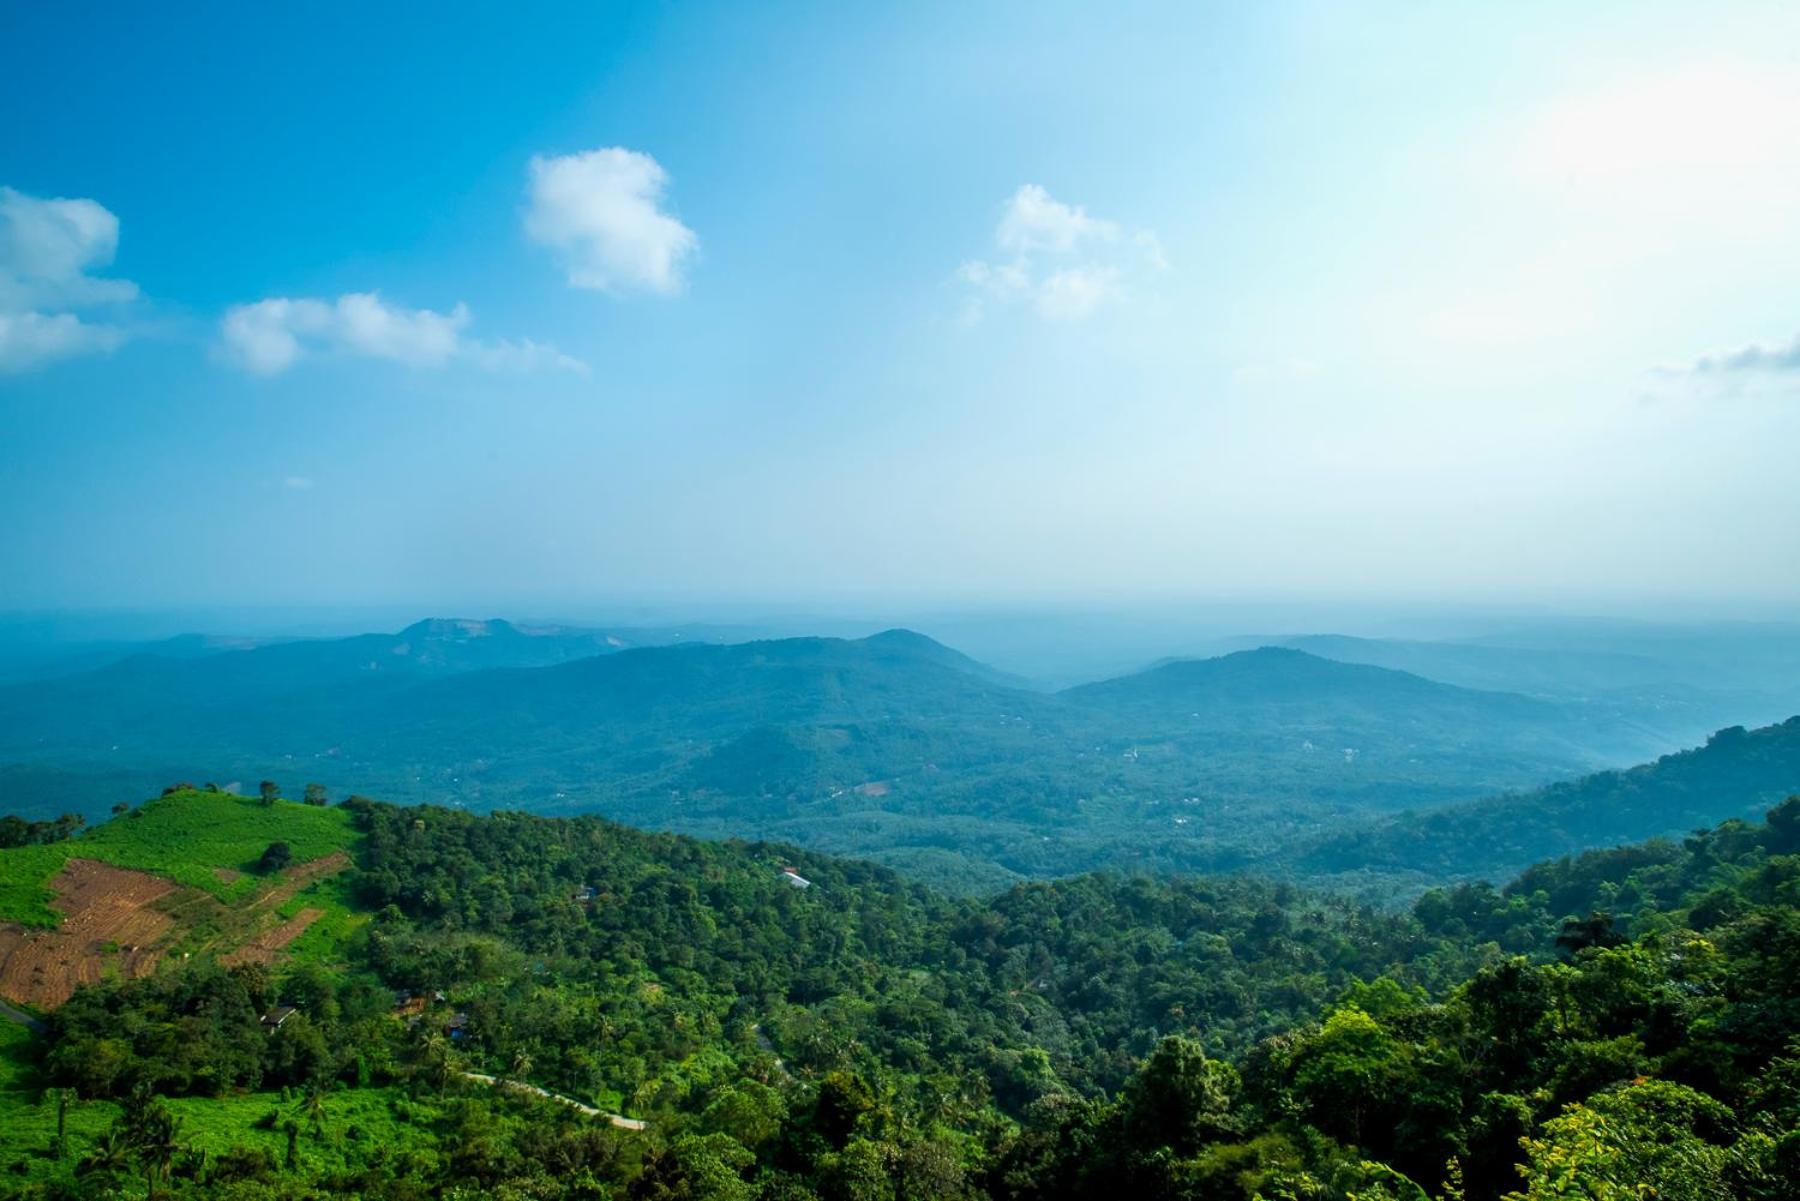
point(120, 899)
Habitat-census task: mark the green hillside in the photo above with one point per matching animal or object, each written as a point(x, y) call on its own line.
point(893, 746)
point(1626, 1014)
point(190, 837)
point(1738, 773)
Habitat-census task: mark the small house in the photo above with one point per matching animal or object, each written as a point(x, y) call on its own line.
point(585, 895)
point(274, 1019)
point(793, 876)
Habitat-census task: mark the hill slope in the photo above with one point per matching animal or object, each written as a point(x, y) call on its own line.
point(1738, 773)
point(183, 874)
point(891, 745)
point(862, 1037)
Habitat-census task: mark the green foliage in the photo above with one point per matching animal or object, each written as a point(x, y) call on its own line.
point(1738, 773)
point(867, 1040)
point(892, 747)
point(189, 837)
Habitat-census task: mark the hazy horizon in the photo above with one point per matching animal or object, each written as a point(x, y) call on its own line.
point(1018, 306)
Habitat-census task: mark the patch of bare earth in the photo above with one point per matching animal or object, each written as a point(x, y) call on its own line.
point(271, 942)
point(297, 877)
point(227, 875)
point(109, 924)
point(268, 943)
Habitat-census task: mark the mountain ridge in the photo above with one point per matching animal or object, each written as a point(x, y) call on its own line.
point(892, 744)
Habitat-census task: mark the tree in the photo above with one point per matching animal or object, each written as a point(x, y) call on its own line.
point(695, 1167)
point(153, 1133)
point(270, 792)
point(1653, 1139)
point(277, 856)
point(1594, 930)
point(1180, 1099)
point(434, 1053)
point(749, 1112)
point(121, 808)
point(62, 1097)
point(1351, 1067)
point(110, 1157)
point(313, 1109)
point(315, 795)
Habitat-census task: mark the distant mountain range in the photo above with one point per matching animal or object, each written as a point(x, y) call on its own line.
point(1677, 683)
point(892, 746)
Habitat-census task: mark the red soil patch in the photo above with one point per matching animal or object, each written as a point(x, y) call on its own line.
point(108, 923)
point(267, 945)
point(111, 925)
point(227, 875)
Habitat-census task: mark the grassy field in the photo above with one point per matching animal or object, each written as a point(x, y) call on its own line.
point(205, 840)
point(214, 831)
point(358, 1124)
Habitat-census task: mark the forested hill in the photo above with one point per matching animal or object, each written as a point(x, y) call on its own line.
point(1737, 773)
point(1272, 675)
point(791, 1026)
point(891, 746)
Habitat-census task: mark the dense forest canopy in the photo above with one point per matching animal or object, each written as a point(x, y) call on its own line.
point(1616, 1019)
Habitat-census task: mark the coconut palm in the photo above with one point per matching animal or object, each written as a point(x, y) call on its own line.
point(313, 1108)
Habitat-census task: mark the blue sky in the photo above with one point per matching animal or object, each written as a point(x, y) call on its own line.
point(530, 307)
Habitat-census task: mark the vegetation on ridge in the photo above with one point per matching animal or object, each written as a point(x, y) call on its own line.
point(1604, 1022)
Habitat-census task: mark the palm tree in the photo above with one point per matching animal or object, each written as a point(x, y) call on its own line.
point(521, 1064)
point(62, 1097)
point(158, 1139)
point(110, 1155)
point(314, 1108)
point(437, 1057)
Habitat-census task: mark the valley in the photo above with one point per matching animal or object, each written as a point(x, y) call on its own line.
point(891, 746)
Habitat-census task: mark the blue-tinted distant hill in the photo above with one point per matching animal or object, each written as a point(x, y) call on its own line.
point(893, 745)
point(1676, 683)
point(1246, 686)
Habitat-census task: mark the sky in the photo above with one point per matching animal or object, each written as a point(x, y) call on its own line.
point(527, 307)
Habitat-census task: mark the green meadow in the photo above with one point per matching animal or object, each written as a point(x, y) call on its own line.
point(189, 837)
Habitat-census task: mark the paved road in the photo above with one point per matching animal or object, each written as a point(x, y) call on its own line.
point(619, 1120)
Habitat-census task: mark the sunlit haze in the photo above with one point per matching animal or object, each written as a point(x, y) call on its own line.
point(591, 306)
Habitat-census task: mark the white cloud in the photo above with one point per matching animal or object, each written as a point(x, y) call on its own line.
point(270, 336)
point(1753, 359)
point(1062, 263)
point(1035, 220)
point(504, 354)
point(265, 337)
point(47, 249)
point(601, 211)
point(29, 340)
point(1072, 294)
point(416, 337)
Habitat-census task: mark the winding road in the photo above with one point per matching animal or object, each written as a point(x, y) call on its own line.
point(619, 1120)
